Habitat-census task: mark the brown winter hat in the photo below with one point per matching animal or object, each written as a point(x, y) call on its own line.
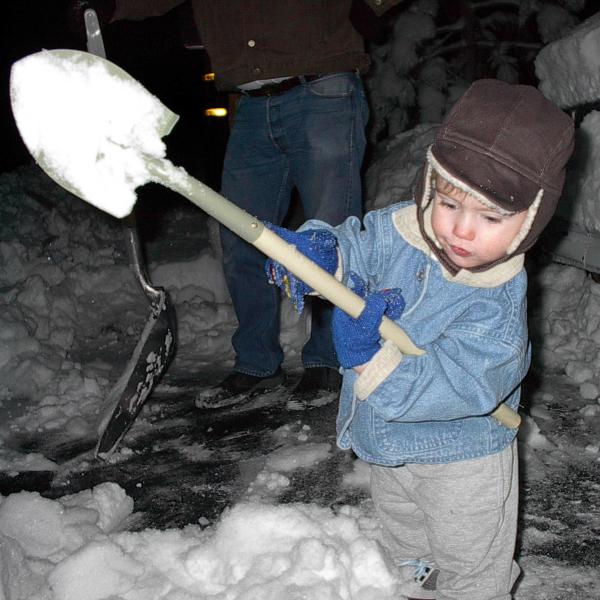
point(508, 145)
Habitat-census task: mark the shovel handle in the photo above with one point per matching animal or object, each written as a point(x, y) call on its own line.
point(252, 230)
point(328, 286)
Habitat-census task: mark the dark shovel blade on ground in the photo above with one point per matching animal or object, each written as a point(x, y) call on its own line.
point(155, 347)
point(148, 361)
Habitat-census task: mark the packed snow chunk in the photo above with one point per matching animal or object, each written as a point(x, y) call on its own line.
point(589, 391)
point(43, 529)
point(274, 552)
point(569, 68)
point(16, 462)
point(52, 530)
point(17, 578)
point(89, 125)
point(590, 411)
point(99, 570)
point(108, 499)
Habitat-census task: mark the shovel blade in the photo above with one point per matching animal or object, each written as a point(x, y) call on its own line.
point(89, 125)
point(148, 361)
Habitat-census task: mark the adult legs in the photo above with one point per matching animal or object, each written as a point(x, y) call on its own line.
point(256, 177)
point(311, 137)
point(325, 124)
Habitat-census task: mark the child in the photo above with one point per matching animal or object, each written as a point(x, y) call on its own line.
point(444, 472)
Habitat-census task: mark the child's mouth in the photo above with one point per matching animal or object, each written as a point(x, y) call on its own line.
point(460, 251)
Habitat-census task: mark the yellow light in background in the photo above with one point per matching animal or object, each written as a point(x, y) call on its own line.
point(215, 112)
point(208, 77)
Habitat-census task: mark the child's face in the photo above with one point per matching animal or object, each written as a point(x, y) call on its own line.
point(471, 233)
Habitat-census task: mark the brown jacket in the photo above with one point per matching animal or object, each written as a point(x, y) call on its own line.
point(261, 39)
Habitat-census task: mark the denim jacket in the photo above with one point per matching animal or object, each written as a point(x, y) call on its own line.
point(432, 408)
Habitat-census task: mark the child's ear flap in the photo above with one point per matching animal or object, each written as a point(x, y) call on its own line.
point(428, 186)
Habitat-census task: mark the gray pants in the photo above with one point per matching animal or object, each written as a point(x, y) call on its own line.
point(460, 518)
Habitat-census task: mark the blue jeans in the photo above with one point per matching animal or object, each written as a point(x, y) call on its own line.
point(312, 137)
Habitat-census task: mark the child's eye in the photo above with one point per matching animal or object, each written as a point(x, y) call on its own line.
point(493, 219)
point(447, 204)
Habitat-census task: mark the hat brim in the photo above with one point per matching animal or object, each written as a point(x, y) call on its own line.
point(483, 175)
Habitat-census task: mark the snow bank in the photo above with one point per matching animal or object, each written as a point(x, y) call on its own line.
point(569, 68)
point(390, 177)
point(71, 310)
point(62, 276)
point(70, 549)
point(564, 309)
point(579, 203)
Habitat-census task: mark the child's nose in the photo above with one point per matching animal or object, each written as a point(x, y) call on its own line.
point(464, 228)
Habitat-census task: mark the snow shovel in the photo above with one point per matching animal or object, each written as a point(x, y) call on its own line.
point(127, 152)
point(155, 347)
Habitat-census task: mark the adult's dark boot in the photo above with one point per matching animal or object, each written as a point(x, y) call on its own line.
point(238, 387)
point(315, 381)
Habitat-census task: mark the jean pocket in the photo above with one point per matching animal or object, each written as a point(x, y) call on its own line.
point(333, 86)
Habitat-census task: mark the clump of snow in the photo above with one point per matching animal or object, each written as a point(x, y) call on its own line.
point(568, 69)
point(89, 125)
point(294, 451)
point(530, 434)
point(15, 462)
point(360, 476)
point(70, 549)
point(294, 457)
point(52, 530)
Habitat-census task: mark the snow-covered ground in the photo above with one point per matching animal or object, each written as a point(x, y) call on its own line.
point(71, 311)
point(70, 314)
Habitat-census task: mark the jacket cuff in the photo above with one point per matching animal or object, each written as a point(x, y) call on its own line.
point(377, 370)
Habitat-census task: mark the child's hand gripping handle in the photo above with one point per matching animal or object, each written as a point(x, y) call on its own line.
point(327, 286)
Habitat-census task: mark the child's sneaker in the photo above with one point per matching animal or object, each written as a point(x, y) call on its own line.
point(419, 579)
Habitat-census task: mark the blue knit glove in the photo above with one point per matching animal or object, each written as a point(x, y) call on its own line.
point(320, 245)
point(356, 341)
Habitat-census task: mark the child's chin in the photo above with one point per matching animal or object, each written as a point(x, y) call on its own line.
point(466, 263)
